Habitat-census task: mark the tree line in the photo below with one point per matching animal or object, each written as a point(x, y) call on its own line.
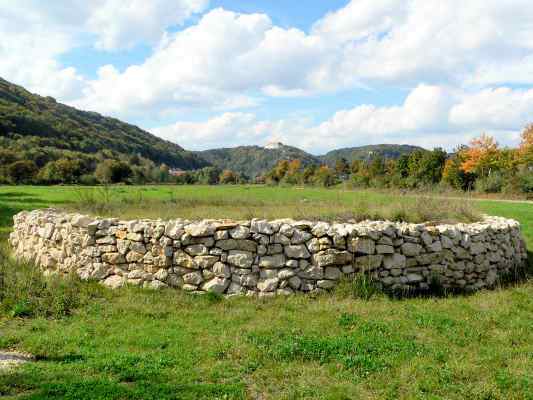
point(482, 165)
point(105, 167)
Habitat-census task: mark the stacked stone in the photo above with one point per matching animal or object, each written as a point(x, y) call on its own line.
point(266, 258)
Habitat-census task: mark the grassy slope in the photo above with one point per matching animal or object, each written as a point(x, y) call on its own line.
point(141, 344)
point(29, 121)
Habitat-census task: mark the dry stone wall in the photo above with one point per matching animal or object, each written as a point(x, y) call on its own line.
point(267, 257)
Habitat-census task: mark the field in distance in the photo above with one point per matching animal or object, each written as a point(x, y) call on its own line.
point(246, 202)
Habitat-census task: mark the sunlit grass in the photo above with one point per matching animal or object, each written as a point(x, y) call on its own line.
point(94, 343)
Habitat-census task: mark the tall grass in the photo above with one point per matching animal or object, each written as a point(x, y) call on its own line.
point(112, 201)
point(25, 292)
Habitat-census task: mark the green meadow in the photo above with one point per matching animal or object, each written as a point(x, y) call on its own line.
point(93, 343)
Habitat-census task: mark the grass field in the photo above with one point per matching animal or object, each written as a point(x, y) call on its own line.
point(236, 202)
point(93, 343)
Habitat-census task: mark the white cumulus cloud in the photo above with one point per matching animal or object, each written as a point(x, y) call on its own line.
point(430, 116)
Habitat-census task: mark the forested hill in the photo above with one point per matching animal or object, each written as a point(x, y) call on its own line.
point(387, 151)
point(255, 160)
point(36, 124)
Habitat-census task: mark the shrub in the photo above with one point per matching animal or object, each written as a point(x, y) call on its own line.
point(493, 183)
point(111, 171)
point(360, 181)
point(526, 182)
point(22, 171)
point(88, 179)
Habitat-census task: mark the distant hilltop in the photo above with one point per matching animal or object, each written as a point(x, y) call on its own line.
point(252, 161)
point(273, 145)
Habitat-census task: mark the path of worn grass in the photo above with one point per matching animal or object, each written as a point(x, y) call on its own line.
point(135, 344)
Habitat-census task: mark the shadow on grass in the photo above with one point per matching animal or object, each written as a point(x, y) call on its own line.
point(37, 384)
point(15, 195)
point(6, 215)
point(65, 358)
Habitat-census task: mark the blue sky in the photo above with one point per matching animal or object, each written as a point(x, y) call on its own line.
point(316, 74)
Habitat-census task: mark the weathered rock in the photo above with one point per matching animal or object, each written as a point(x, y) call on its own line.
point(216, 285)
point(221, 270)
point(384, 249)
point(113, 258)
point(275, 261)
point(333, 273)
point(193, 278)
point(295, 282)
point(203, 228)
point(197, 250)
point(369, 263)
point(325, 284)
point(133, 256)
point(411, 249)
point(297, 251)
point(331, 257)
point(114, 282)
point(395, 260)
point(362, 245)
point(240, 232)
point(239, 258)
point(286, 273)
point(205, 261)
point(262, 226)
point(184, 260)
point(227, 244)
point(268, 285)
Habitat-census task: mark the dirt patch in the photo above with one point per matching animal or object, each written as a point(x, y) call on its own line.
point(10, 359)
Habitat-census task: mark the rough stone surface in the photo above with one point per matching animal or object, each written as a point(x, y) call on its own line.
point(266, 258)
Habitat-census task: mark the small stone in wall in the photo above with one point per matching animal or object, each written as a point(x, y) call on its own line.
point(221, 270)
point(331, 257)
point(384, 249)
point(268, 285)
point(193, 278)
point(362, 245)
point(297, 251)
point(240, 232)
point(369, 263)
point(275, 261)
point(184, 260)
point(197, 250)
point(200, 229)
point(205, 261)
point(239, 258)
point(216, 285)
point(411, 249)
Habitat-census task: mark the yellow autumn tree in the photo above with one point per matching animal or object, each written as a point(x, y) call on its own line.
point(525, 150)
point(294, 167)
point(481, 157)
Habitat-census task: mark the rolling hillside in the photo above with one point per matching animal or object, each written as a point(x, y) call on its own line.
point(255, 160)
point(390, 151)
point(29, 122)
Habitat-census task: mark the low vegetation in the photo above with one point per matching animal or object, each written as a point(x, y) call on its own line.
point(108, 201)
